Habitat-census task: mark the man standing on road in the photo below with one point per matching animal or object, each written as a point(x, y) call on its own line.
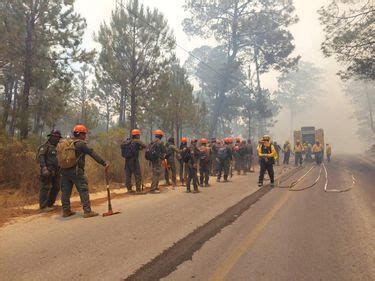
point(250, 156)
point(49, 172)
point(192, 165)
point(213, 167)
point(130, 149)
point(75, 175)
point(318, 152)
point(183, 172)
point(156, 154)
point(286, 150)
point(223, 159)
point(328, 152)
point(267, 156)
point(204, 163)
point(298, 150)
point(278, 149)
point(172, 153)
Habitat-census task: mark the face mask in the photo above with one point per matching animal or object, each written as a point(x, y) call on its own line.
point(53, 140)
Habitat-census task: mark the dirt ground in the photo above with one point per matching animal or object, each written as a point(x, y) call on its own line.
point(15, 204)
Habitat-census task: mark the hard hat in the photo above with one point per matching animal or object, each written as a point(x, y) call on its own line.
point(266, 138)
point(203, 141)
point(226, 140)
point(80, 129)
point(136, 132)
point(158, 133)
point(230, 140)
point(55, 133)
point(184, 140)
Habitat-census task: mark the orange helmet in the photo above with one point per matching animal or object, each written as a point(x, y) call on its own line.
point(226, 140)
point(230, 140)
point(203, 141)
point(158, 133)
point(136, 132)
point(80, 129)
point(184, 140)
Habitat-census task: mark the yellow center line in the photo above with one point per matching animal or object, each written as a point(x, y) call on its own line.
point(242, 248)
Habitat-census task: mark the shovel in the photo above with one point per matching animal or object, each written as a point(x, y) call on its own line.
point(110, 211)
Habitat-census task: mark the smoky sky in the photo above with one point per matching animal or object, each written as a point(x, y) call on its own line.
point(330, 109)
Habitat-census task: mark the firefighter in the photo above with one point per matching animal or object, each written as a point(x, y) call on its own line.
point(49, 172)
point(318, 152)
point(156, 154)
point(130, 149)
point(172, 154)
point(286, 150)
point(250, 156)
point(192, 166)
point(183, 172)
point(214, 143)
point(223, 159)
point(298, 150)
point(328, 152)
point(204, 163)
point(278, 149)
point(76, 174)
point(267, 156)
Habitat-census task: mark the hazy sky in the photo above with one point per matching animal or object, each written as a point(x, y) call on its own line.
point(331, 111)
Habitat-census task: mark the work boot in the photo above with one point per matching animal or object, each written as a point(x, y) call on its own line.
point(46, 209)
point(260, 184)
point(196, 191)
point(226, 180)
point(68, 213)
point(188, 190)
point(90, 214)
point(272, 184)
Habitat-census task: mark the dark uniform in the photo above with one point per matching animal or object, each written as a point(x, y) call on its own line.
point(223, 159)
point(237, 158)
point(156, 164)
point(192, 167)
point(76, 176)
point(132, 166)
point(249, 156)
point(204, 165)
point(49, 175)
point(172, 152)
point(213, 152)
point(183, 164)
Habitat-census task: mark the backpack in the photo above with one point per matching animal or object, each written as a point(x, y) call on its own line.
point(151, 153)
point(128, 149)
point(66, 153)
point(222, 153)
point(203, 153)
point(38, 152)
point(186, 154)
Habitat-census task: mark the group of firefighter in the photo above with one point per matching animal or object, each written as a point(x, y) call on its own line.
point(217, 157)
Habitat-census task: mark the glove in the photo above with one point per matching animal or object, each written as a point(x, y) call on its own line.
point(45, 172)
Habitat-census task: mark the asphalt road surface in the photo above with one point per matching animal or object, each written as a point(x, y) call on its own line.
point(231, 231)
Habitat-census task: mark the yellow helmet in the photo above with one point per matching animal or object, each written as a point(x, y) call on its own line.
point(266, 138)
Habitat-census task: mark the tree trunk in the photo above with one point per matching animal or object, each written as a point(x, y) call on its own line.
point(122, 108)
point(14, 112)
point(232, 53)
point(370, 111)
point(27, 77)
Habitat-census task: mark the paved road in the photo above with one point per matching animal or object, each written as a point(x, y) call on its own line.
point(229, 231)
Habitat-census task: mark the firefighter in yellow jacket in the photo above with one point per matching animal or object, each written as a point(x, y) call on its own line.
point(267, 156)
